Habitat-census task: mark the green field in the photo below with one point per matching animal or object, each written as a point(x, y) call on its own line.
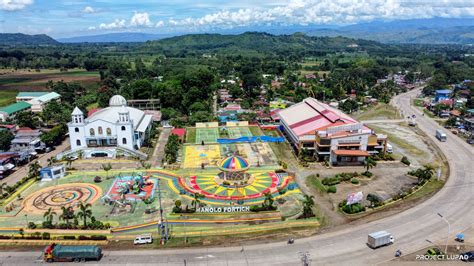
point(7, 97)
point(237, 132)
point(207, 135)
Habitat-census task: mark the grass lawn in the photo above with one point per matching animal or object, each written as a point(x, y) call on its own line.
point(191, 135)
point(418, 102)
point(314, 182)
point(429, 188)
point(256, 131)
point(380, 111)
point(7, 97)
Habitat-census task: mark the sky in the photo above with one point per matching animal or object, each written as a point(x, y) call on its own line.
point(77, 17)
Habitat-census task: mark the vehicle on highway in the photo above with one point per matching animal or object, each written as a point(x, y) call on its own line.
point(389, 148)
point(143, 239)
point(468, 256)
point(433, 252)
point(470, 141)
point(60, 253)
point(412, 123)
point(440, 135)
point(379, 239)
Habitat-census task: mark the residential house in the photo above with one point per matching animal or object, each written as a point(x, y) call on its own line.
point(13, 109)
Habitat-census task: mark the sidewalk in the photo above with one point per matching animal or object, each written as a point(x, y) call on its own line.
point(159, 152)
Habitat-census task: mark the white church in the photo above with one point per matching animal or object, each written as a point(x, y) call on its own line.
point(109, 131)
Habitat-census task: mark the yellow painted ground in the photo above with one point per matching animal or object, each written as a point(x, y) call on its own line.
point(195, 155)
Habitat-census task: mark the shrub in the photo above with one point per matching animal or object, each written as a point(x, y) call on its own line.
point(332, 189)
point(97, 179)
point(367, 174)
point(331, 181)
point(98, 237)
point(355, 181)
point(46, 236)
point(354, 208)
point(405, 161)
point(69, 237)
point(31, 225)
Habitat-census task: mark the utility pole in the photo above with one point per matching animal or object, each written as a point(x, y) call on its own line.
point(305, 258)
point(162, 228)
point(449, 231)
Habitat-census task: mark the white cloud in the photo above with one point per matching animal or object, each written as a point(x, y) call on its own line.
point(140, 19)
point(117, 24)
point(88, 10)
point(306, 12)
point(160, 23)
point(12, 5)
point(92, 28)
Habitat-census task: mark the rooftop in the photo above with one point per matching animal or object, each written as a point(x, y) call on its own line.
point(443, 91)
point(311, 115)
point(16, 107)
point(47, 97)
point(351, 153)
point(32, 94)
point(180, 132)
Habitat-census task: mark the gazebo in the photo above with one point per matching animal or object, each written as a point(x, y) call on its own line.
point(234, 168)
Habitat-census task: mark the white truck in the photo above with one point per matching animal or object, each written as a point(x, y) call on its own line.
point(379, 239)
point(440, 135)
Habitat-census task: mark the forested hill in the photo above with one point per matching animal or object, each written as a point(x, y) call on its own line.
point(256, 42)
point(24, 39)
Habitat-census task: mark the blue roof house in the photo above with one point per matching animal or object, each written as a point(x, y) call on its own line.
point(442, 95)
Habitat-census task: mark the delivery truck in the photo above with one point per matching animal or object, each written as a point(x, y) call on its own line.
point(379, 239)
point(63, 253)
point(440, 135)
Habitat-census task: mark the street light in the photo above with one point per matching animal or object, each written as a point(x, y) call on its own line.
point(449, 231)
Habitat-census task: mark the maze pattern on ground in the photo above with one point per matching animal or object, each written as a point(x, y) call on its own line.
point(208, 135)
point(65, 195)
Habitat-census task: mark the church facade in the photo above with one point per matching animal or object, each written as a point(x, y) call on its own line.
point(117, 126)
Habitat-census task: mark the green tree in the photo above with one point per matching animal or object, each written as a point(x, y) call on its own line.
point(196, 200)
point(308, 204)
point(2, 186)
point(49, 215)
point(67, 213)
point(6, 138)
point(84, 212)
point(369, 163)
point(34, 169)
point(268, 201)
point(27, 119)
point(107, 167)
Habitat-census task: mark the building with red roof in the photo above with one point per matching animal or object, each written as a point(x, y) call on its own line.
point(327, 133)
point(180, 132)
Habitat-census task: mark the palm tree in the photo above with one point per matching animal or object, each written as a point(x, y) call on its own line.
point(308, 204)
point(1, 187)
point(107, 167)
point(84, 212)
point(426, 173)
point(196, 201)
point(34, 169)
point(51, 161)
point(49, 215)
point(369, 163)
point(268, 202)
point(66, 215)
point(69, 161)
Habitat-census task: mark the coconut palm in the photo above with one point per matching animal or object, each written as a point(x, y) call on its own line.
point(369, 163)
point(107, 167)
point(3, 185)
point(49, 215)
point(308, 204)
point(51, 161)
point(84, 212)
point(34, 169)
point(196, 201)
point(268, 202)
point(66, 215)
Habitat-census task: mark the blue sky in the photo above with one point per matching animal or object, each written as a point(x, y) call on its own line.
point(74, 18)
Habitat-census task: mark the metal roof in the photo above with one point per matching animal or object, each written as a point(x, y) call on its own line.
point(48, 97)
point(33, 94)
point(16, 107)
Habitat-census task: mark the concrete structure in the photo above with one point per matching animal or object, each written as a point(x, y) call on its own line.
point(25, 96)
point(27, 139)
point(52, 172)
point(328, 134)
point(108, 128)
point(11, 110)
point(442, 95)
point(37, 104)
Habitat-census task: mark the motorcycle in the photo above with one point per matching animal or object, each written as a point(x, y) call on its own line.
point(291, 241)
point(459, 238)
point(398, 253)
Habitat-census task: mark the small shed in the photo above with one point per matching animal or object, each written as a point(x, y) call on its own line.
point(52, 172)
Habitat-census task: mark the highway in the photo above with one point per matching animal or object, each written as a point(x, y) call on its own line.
point(411, 228)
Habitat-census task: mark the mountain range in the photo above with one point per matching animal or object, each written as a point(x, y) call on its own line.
point(417, 31)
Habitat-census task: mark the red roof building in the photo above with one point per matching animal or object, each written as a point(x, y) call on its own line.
point(180, 132)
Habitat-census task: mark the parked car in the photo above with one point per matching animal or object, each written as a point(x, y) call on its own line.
point(433, 252)
point(468, 256)
point(143, 239)
point(470, 141)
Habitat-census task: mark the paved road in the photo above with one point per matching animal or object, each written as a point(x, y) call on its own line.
point(159, 152)
point(411, 228)
point(22, 171)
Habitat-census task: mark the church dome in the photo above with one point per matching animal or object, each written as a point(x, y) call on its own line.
point(117, 100)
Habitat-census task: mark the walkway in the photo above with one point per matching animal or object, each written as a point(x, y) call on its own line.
point(159, 152)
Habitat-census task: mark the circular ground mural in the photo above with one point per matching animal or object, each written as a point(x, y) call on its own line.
point(67, 195)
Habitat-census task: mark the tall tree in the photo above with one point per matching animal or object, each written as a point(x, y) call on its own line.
point(84, 212)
